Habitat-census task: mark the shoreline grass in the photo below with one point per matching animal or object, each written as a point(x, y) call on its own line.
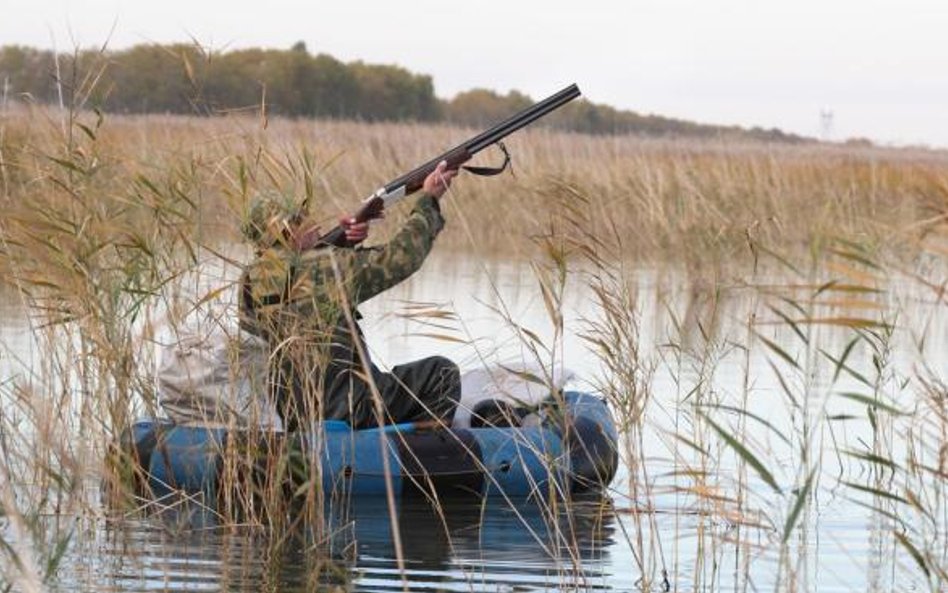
point(667, 199)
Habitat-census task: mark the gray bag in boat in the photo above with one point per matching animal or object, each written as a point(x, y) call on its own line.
point(506, 395)
point(211, 377)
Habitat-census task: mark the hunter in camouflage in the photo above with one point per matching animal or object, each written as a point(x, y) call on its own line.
point(302, 298)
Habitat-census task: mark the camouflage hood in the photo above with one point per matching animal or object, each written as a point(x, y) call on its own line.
point(269, 216)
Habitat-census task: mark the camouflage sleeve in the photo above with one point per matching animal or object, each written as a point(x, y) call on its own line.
point(379, 268)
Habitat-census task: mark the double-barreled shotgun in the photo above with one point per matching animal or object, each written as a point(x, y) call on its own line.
point(410, 182)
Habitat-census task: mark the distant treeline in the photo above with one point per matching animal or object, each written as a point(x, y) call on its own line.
point(186, 79)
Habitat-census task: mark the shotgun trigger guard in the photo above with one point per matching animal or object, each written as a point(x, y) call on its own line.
point(491, 171)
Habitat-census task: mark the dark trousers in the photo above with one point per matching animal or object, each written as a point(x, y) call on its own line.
point(425, 389)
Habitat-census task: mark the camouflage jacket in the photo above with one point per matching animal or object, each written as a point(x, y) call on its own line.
point(298, 302)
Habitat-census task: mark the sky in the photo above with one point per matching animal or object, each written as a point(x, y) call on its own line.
point(879, 67)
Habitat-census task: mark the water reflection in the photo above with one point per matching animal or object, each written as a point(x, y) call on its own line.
point(174, 551)
point(487, 546)
point(459, 545)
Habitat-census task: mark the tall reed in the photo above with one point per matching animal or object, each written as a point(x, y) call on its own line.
point(112, 223)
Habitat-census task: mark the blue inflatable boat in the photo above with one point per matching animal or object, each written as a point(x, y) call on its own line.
point(569, 447)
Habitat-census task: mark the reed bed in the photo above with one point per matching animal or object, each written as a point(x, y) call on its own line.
point(108, 220)
point(667, 199)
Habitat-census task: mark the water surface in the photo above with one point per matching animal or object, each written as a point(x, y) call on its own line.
point(694, 521)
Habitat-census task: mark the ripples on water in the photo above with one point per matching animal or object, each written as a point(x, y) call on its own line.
point(469, 547)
